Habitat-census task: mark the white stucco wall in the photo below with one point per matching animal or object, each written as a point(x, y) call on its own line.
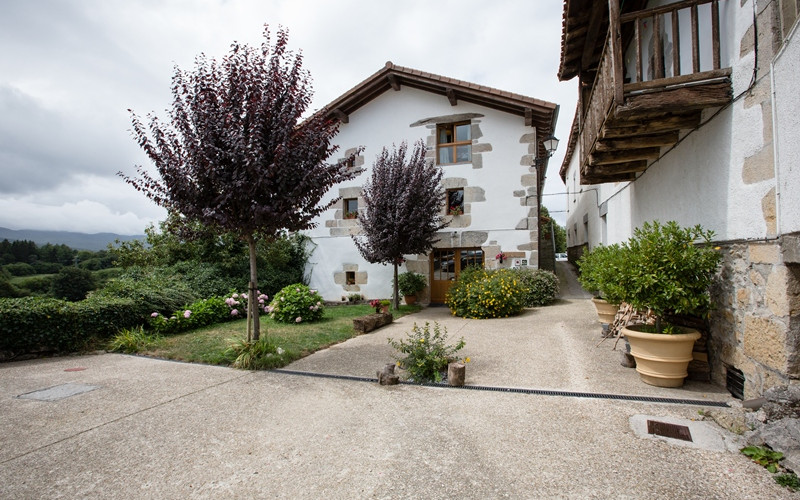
point(786, 103)
point(701, 180)
point(385, 121)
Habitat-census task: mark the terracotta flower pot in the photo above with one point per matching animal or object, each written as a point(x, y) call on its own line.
point(661, 359)
point(410, 299)
point(605, 311)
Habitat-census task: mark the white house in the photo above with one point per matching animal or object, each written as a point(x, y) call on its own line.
point(690, 111)
point(485, 140)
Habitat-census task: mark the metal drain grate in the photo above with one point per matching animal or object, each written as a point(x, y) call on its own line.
point(665, 429)
point(537, 392)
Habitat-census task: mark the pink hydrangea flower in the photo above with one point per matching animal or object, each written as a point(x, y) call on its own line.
point(154, 315)
point(298, 319)
point(234, 312)
point(235, 295)
point(187, 313)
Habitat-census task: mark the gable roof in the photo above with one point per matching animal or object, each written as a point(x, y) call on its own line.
point(536, 112)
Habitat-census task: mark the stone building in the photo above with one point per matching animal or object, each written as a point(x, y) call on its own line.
point(689, 111)
point(485, 140)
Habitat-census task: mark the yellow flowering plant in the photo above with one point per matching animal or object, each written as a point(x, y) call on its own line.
point(424, 354)
point(480, 293)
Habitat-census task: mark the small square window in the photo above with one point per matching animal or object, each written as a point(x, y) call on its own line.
point(350, 277)
point(351, 208)
point(454, 143)
point(350, 162)
point(455, 201)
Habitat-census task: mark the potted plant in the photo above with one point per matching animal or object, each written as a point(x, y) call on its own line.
point(381, 306)
point(668, 272)
point(600, 269)
point(410, 284)
point(455, 210)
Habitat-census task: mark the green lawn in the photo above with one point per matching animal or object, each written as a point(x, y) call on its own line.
point(209, 344)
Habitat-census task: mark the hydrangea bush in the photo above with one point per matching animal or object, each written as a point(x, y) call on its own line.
point(297, 304)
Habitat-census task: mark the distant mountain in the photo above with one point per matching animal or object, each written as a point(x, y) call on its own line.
point(77, 241)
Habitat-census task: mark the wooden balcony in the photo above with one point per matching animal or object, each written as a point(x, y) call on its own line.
point(641, 103)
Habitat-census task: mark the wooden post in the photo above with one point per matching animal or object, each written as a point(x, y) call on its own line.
point(616, 50)
point(456, 373)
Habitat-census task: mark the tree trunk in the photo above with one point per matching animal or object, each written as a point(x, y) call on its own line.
point(252, 299)
point(396, 288)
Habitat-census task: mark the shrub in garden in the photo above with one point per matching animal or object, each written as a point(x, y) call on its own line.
point(152, 289)
point(258, 355)
point(480, 293)
point(541, 286)
point(72, 283)
point(197, 314)
point(132, 340)
point(425, 354)
point(601, 269)
point(297, 304)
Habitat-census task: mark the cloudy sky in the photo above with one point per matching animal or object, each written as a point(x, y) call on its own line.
point(70, 69)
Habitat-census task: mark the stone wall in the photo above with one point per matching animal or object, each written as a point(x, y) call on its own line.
point(755, 326)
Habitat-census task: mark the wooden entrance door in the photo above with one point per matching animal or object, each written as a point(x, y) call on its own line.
point(446, 265)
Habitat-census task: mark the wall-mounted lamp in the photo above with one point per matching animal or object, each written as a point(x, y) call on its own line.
point(550, 144)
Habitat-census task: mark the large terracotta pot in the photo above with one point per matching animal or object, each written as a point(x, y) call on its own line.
point(410, 299)
point(661, 359)
point(605, 311)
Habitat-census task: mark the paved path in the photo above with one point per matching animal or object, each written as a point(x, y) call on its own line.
point(160, 429)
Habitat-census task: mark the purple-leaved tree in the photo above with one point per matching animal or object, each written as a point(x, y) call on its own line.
point(235, 155)
point(402, 214)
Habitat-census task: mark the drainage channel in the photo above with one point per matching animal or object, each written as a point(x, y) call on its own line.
point(536, 392)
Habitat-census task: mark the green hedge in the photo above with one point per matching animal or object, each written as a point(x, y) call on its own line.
point(33, 324)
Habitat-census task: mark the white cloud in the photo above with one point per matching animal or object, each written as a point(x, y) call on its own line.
point(70, 70)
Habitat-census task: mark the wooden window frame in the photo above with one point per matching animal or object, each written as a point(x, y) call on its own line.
point(350, 277)
point(346, 212)
point(453, 146)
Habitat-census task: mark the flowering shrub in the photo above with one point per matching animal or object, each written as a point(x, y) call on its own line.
point(426, 353)
point(541, 286)
point(297, 304)
point(479, 293)
point(200, 313)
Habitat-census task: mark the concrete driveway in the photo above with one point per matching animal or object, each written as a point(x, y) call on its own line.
point(147, 428)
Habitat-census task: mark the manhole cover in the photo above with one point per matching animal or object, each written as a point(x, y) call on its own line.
point(58, 392)
point(669, 430)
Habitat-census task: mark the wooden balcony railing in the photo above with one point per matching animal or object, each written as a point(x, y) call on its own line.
point(613, 102)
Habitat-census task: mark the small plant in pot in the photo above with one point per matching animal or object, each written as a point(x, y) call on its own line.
point(410, 284)
point(669, 271)
point(600, 270)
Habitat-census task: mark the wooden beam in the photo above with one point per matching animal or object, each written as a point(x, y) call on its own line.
point(394, 82)
point(341, 115)
point(623, 156)
point(590, 42)
point(451, 96)
point(528, 117)
point(618, 168)
point(682, 98)
point(632, 142)
point(666, 124)
point(589, 178)
point(676, 45)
